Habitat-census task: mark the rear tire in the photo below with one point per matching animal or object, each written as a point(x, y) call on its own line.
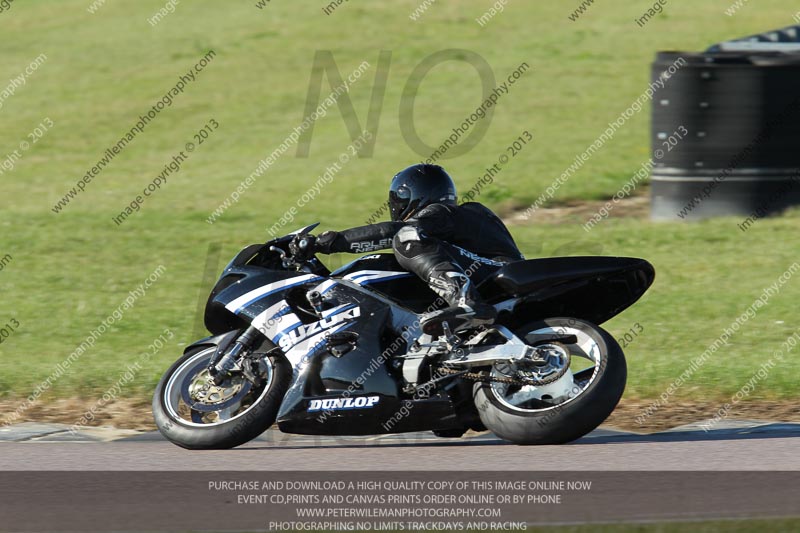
point(569, 420)
point(252, 422)
point(449, 433)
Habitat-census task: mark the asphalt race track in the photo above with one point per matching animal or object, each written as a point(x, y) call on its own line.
point(106, 479)
point(731, 446)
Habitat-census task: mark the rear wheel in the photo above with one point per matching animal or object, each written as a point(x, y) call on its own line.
point(192, 412)
point(562, 400)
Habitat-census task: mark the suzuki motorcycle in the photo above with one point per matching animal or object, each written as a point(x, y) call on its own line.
point(342, 353)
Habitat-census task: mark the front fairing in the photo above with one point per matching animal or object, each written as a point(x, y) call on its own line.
point(254, 266)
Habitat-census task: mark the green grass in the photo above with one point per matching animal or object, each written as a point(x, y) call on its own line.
point(70, 270)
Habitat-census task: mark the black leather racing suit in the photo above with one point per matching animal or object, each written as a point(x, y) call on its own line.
point(438, 242)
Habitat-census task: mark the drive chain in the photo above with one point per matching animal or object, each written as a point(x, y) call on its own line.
point(486, 377)
point(480, 376)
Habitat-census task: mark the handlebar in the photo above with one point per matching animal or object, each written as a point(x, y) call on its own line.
point(289, 260)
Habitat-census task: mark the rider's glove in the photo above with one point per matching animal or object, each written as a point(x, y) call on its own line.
point(325, 241)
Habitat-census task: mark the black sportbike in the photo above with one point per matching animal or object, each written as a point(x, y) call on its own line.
point(342, 353)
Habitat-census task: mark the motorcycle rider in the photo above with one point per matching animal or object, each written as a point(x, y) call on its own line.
point(443, 243)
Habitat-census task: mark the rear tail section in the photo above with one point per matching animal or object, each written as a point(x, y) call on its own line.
point(591, 288)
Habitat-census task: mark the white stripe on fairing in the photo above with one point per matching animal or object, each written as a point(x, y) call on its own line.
point(325, 315)
point(296, 354)
point(334, 310)
point(370, 279)
point(281, 328)
point(270, 327)
point(326, 285)
point(273, 328)
point(243, 300)
point(369, 275)
point(360, 273)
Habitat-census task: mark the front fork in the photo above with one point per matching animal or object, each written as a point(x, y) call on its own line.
point(226, 360)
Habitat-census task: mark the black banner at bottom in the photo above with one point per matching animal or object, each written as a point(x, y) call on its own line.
point(381, 501)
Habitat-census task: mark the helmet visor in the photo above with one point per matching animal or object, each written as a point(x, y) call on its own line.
point(398, 202)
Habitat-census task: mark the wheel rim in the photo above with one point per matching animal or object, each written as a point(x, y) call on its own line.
point(191, 398)
point(583, 367)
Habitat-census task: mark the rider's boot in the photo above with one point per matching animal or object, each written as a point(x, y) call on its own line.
point(466, 310)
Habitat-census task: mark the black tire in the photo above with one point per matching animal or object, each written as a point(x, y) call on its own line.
point(256, 419)
point(449, 433)
point(570, 420)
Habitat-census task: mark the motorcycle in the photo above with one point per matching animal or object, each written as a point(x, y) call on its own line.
point(342, 353)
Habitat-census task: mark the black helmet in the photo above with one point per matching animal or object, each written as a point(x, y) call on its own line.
point(417, 187)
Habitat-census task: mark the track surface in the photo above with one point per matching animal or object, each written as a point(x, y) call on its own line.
point(740, 446)
point(110, 480)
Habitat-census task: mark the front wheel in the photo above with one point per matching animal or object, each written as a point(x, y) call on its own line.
point(192, 412)
point(572, 395)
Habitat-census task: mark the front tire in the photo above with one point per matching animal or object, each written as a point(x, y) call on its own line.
point(597, 390)
point(228, 427)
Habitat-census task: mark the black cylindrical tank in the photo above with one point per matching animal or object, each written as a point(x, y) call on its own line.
point(728, 127)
